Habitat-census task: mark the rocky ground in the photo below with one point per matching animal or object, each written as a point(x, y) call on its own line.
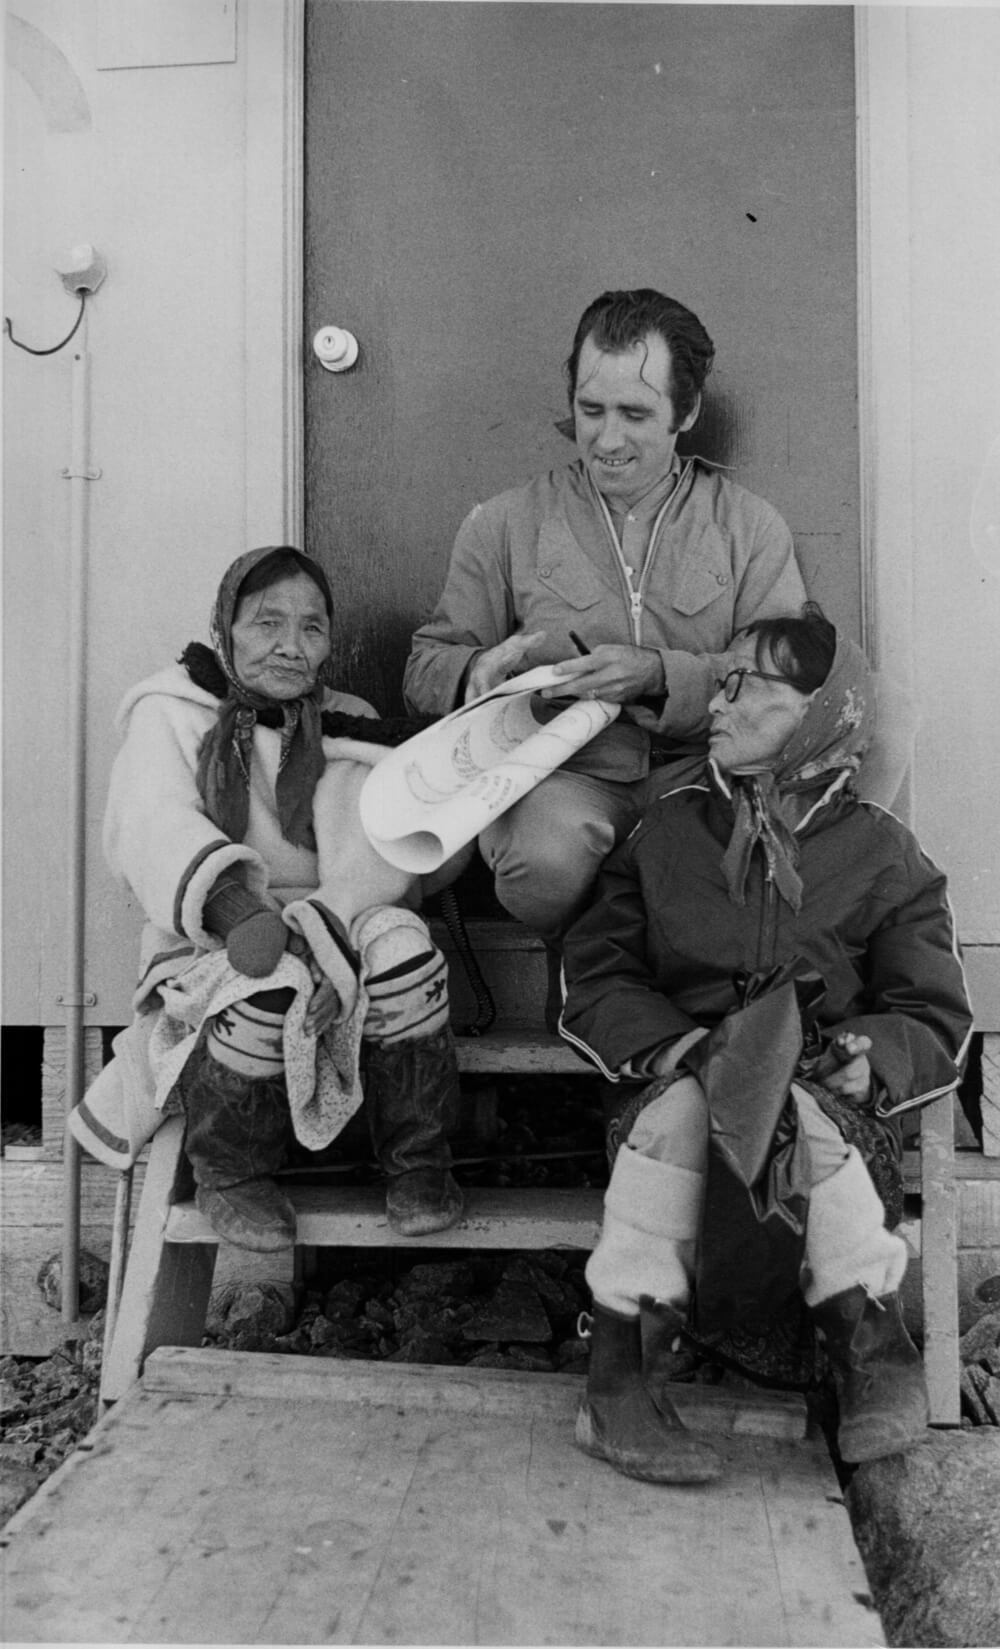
point(927, 1523)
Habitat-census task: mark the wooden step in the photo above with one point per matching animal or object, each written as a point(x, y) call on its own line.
point(520, 1050)
point(354, 1217)
point(209, 1371)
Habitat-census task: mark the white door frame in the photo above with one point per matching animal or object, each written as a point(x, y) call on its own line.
point(278, 354)
point(273, 50)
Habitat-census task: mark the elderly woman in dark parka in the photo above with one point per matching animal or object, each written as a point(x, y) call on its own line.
point(767, 878)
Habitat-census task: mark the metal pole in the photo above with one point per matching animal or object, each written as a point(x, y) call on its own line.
point(79, 475)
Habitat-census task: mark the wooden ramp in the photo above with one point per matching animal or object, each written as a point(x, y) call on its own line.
point(244, 1498)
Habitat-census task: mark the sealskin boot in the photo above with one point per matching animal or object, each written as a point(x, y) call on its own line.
point(878, 1372)
point(618, 1420)
point(412, 1099)
point(238, 1133)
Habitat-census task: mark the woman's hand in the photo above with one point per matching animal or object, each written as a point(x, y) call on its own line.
point(324, 1004)
point(323, 1007)
point(844, 1069)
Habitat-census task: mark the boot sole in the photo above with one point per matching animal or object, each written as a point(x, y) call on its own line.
point(706, 1469)
point(236, 1230)
point(424, 1225)
point(878, 1440)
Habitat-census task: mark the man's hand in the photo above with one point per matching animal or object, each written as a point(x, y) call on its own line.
point(497, 663)
point(844, 1068)
point(619, 674)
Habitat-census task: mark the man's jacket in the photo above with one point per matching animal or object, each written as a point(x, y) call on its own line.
point(543, 557)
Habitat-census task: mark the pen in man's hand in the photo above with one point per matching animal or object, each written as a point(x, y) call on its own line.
point(580, 646)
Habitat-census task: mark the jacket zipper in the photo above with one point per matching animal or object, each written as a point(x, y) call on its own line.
point(768, 924)
point(635, 596)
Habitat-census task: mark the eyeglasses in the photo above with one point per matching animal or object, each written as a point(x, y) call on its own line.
point(732, 683)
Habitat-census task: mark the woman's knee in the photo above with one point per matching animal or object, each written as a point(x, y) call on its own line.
point(248, 1036)
point(674, 1126)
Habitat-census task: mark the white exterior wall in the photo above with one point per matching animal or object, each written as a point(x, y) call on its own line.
point(176, 172)
point(185, 177)
point(930, 249)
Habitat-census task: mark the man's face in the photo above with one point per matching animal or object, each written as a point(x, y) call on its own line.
point(626, 430)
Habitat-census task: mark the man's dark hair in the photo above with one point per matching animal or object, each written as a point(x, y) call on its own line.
point(802, 647)
point(617, 321)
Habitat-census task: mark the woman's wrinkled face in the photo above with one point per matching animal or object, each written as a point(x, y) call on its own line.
point(281, 638)
point(753, 731)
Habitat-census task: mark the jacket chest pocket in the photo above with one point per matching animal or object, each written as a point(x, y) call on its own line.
point(568, 584)
point(704, 577)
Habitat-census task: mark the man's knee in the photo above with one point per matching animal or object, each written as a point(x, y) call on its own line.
point(546, 851)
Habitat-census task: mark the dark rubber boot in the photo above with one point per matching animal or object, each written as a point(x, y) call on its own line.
point(238, 1133)
point(412, 1099)
point(619, 1421)
point(879, 1375)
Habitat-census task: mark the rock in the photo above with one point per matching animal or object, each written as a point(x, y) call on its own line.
point(421, 1347)
point(457, 1278)
point(572, 1356)
point(17, 1484)
point(927, 1524)
point(980, 1393)
point(20, 1455)
point(982, 1342)
point(514, 1312)
point(560, 1296)
point(11, 1401)
point(344, 1299)
point(247, 1316)
point(93, 1282)
point(350, 1337)
point(530, 1358)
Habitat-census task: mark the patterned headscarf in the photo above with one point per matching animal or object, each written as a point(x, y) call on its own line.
point(224, 758)
point(831, 739)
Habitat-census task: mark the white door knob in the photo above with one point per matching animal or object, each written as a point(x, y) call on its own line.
point(335, 349)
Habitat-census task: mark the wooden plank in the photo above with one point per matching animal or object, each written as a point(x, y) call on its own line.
point(33, 1193)
point(354, 1217)
point(939, 1260)
point(520, 1051)
point(488, 938)
point(982, 973)
point(54, 1080)
point(807, 1588)
point(167, 1286)
point(991, 1096)
point(205, 1371)
point(292, 1521)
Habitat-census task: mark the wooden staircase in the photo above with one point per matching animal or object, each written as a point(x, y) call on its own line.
point(162, 1296)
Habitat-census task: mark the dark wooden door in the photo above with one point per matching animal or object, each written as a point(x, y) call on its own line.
point(475, 174)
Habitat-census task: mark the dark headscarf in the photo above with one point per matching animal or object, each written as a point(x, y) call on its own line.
point(831, 739)
point(224, 758)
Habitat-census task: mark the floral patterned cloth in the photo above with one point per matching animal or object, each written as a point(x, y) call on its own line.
point(830, 741)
